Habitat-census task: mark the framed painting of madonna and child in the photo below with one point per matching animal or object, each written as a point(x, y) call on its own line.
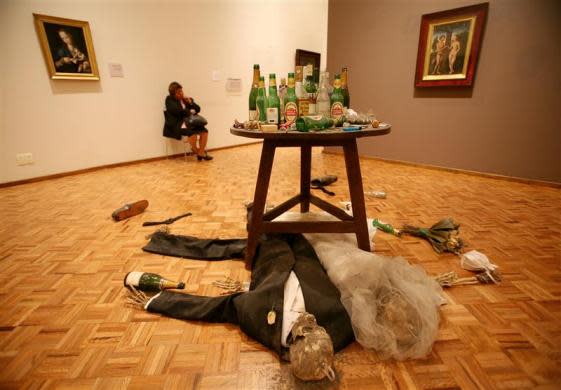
point(67, 47)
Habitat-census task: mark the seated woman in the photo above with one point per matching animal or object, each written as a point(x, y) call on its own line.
point(178, 109)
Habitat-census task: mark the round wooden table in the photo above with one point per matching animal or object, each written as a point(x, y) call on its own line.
point(262, 222)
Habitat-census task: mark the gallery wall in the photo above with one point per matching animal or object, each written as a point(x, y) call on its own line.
point(70, 125)
point(509, 123)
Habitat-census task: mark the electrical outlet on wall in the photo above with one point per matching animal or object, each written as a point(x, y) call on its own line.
point(24, 158)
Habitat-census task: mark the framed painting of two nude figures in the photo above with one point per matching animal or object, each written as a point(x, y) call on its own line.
point(449, 46)
point(67, 47)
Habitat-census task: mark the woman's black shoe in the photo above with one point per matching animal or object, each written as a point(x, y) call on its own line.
point(205, 157)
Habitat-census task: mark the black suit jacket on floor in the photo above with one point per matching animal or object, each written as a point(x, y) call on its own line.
point(175, 115)
point(276, 257)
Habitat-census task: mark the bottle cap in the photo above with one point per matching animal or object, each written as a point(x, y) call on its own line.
point(262, 78)
point(272, 76)
point(256, 66)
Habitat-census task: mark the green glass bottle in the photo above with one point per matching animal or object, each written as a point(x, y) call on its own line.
point(386, 227)
point(273, 102)
point(311, 89)
point(149, 282)
point(345, 88)
point(316, 122)
point(253, 93)
point(337, 101)
point(261, 101)
point(290, 101)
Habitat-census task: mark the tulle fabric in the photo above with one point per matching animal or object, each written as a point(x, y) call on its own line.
point(393, 305)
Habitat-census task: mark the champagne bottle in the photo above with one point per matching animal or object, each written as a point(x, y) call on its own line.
point(253, 93)
point(261, 101)
point(282, 94)
point(345, 88)
point(300, 92)
point(337, 99)
point(273, 103)
point(322, 101)
point(149, 282)
point(290, 101)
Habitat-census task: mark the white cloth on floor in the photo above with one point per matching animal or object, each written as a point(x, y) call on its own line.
point(393, 305)
point(293, 306)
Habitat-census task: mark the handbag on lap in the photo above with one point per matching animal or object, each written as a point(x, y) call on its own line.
point(195, 122)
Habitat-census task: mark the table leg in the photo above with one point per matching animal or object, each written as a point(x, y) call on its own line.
point(357, 194)
point(305, 173)
point(259, 199)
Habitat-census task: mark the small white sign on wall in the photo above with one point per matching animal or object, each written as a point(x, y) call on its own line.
point(234, 85)
point(116, 70)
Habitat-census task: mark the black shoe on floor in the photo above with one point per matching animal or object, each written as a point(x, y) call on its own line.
point(206, 157)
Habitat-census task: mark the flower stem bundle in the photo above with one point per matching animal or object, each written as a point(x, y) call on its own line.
point(443, 235)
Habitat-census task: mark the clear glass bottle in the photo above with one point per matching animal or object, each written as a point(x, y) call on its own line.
point(322, 101)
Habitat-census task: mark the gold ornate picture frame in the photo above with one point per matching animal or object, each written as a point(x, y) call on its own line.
point(67, 48)
point(449, 46)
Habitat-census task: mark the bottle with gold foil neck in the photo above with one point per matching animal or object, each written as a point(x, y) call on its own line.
point(150, 282)
point(253, 93)
point(273, 102)
point(261, 101)
point(301, 94)
point(345, 88)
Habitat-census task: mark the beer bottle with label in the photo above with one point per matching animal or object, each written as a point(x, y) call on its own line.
point(261, 101)
point(273, 103)
point(345, 88)
point(253, 93)
point(290, 101)
point(337, 99)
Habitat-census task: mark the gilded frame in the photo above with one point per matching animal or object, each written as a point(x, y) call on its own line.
point(449, 46)
point(67, 47)
point(305, 57)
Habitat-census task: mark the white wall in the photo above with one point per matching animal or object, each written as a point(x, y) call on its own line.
point(70, 125)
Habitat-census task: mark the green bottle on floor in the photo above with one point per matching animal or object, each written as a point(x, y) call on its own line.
point(149, 282)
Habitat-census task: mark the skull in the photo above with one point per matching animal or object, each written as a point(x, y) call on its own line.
point(311, 352)
point(400, 316)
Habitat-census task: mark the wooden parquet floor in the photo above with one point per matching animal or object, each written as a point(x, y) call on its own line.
point(64, 322)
